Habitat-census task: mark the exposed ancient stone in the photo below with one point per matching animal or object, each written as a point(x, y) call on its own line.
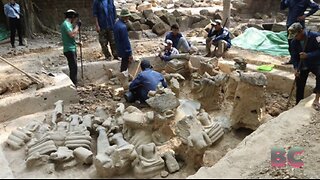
point(177, 66)
point(41, 147)
point(208, 90)
point(144, 6)
point(134, 17)
point(139, 137)
point(159, 29)
point(18, 138)
point(124, 79)
point(88, 121)
point(135, 35)
point(124, 154)
point(163, 102)
point(36, 160)
point(148, 163)
point(192, 133)
point(63, 154)
point(184, 22)
point(169, 19)
point(83, 155)
point(74, 120)
point(249, 101)
point(79, 138)
point(213, 129)
point(120, 109)
point(187, 108)
point(136, 26)
point(203, 23)
point(171, 162)
point(100, 116)
point(103, 162)
point(133, 117)
point(164, 174)
point(57, 114)
point(240, 64)
point(175, 86)
point(254, 78)
point(278, 27)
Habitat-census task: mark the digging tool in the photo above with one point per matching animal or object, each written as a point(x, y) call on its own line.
point(39, 83)
point(80, 51)
point(136, 72)
point(295, 79)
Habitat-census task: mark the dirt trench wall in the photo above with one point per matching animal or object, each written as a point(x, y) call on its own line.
point(51, 12)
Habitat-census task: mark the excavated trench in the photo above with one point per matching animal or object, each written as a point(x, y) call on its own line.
point(201, 118)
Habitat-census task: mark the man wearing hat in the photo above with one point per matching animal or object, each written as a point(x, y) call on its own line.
point(122, 40)
point(104, 12)
point(146, 81)
point(69, 29)
point(218, 36)
point(168, 51)
point(305, 58)
point(296, 13)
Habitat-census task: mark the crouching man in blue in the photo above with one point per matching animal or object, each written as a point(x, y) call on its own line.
point(146, 81)
point(305, 58)
point(218, 36)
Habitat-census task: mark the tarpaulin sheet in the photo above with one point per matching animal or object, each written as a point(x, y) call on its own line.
point(4, 33)
point(262, 40)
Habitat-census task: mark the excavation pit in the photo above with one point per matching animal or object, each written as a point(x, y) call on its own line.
point(197, 137)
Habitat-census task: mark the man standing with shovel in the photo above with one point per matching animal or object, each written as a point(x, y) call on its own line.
point(306, 58)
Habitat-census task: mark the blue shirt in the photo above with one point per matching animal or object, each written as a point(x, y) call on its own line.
point(121, 38)
point(312, 49)
point(223, 34)
point(174, 39)
point(146, 81)
point(9, 12)
point(297, 8)
point(105, 11)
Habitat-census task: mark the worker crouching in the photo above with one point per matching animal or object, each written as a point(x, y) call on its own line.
point(146, 81)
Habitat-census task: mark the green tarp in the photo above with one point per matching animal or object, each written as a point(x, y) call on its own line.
point(4, 33)
point(265, 41)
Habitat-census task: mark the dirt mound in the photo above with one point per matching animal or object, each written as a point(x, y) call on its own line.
point(14, 83)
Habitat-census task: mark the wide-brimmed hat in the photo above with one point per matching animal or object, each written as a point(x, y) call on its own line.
point(125, 13)
point(294, 29)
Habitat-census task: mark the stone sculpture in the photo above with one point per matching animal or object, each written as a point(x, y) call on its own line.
point(171, 162)
point(83, 155)
point(18, 138)
point(103, 162)
point(148, 163)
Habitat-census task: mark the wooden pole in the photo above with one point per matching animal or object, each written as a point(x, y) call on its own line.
point(28, 75)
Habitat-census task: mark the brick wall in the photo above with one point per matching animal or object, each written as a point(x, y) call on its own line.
point(51, 11)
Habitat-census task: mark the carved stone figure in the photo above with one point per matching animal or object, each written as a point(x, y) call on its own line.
point(148, 163)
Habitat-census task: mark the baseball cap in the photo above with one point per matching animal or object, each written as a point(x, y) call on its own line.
point(145, 64)
point(294, 29)
point(216, 22)
point(70, 13)
point(168, 41)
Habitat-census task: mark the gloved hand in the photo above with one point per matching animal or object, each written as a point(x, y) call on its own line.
point(79, 23)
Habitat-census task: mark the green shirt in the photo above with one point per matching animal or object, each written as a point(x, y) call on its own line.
point(69, 43)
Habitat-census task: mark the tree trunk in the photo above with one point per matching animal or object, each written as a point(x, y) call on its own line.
point(31, 22)
point(226, 12)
